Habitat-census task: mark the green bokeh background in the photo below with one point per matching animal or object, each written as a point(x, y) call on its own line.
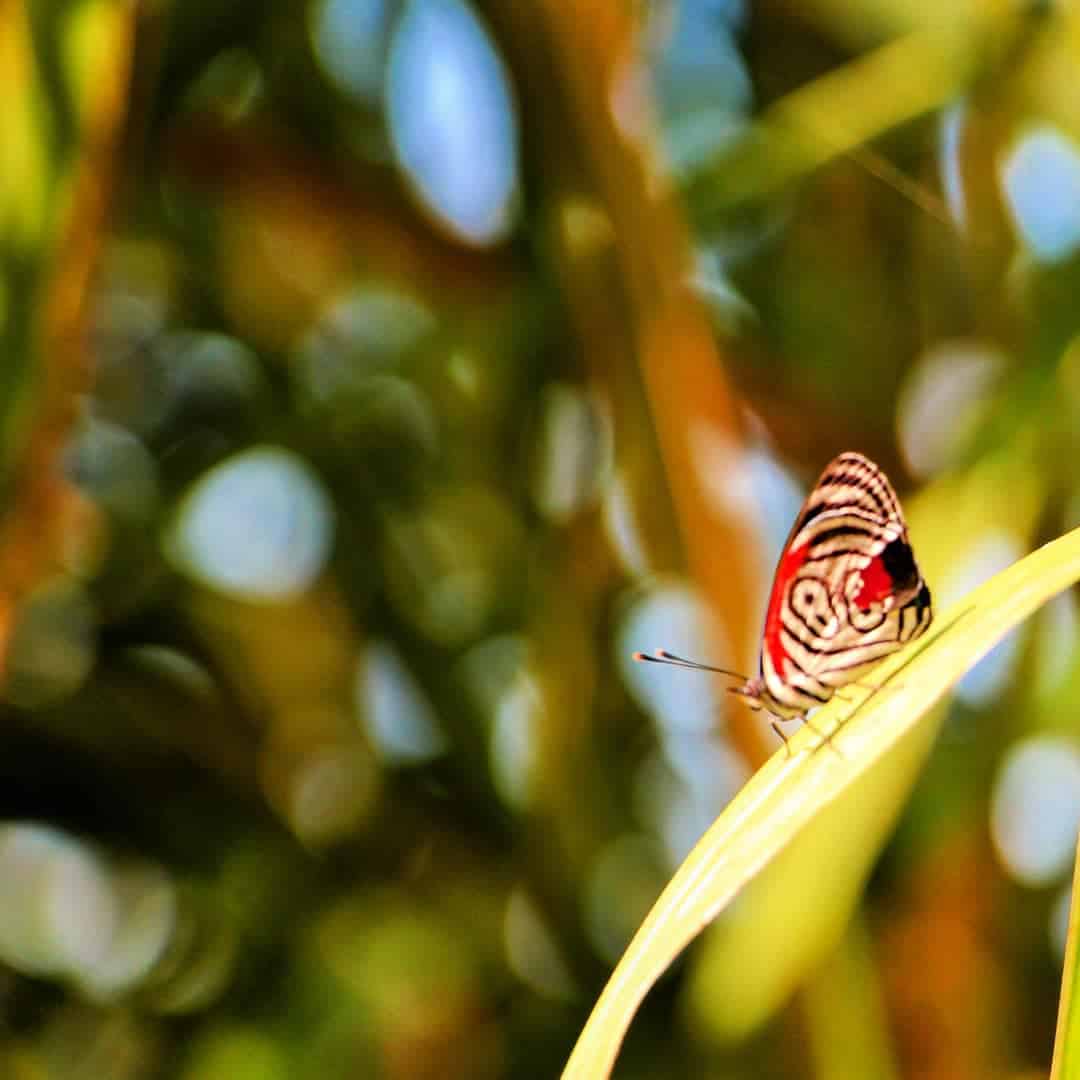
point(198, 224)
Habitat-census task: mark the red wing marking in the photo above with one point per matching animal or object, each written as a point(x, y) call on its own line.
point(877, 584)
point(790, 562)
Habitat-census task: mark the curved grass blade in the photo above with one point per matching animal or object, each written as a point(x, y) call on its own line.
point(887, 733)
point(1067, 1039)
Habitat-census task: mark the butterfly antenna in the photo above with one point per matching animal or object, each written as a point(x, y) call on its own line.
point(662, 656)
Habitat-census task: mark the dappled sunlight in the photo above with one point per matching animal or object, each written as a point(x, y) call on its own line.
point(987, 680)
point(400, 721)
point(946, 395)
point(1041, 180)
point(452, 119)
point(258, 527)
point(1035, 813)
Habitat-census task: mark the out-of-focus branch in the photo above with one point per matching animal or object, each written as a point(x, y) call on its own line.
point(656, 325)
point(43, 515)
point(844, 110)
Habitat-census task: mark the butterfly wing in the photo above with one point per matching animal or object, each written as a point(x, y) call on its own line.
point(847, 589)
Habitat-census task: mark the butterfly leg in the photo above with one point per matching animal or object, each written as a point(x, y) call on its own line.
point(826, 740)
point(874, 689)
point(775, 724)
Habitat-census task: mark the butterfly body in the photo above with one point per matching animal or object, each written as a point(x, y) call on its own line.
point(846, 593)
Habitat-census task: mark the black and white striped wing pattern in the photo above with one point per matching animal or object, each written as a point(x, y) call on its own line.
point(847, 591)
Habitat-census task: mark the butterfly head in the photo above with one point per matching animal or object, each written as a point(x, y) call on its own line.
point(752, 691)
point(755, 692)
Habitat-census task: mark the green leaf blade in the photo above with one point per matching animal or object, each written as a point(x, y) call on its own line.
point(891, 730)
point(1066, 1061)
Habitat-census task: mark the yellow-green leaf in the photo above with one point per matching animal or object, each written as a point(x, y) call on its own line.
point(1067, 1040)
point(877, 737)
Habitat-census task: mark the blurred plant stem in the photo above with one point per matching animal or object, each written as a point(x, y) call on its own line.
point(625, 257)
point(845, 110)
point(56, 150)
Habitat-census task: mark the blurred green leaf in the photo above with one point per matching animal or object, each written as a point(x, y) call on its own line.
point(854, 793)
point(1067, 1040)
point(846, 1019)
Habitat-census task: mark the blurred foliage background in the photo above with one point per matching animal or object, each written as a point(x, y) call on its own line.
point(377, 376)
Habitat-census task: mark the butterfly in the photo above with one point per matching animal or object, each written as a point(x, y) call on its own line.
point(847, 592)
